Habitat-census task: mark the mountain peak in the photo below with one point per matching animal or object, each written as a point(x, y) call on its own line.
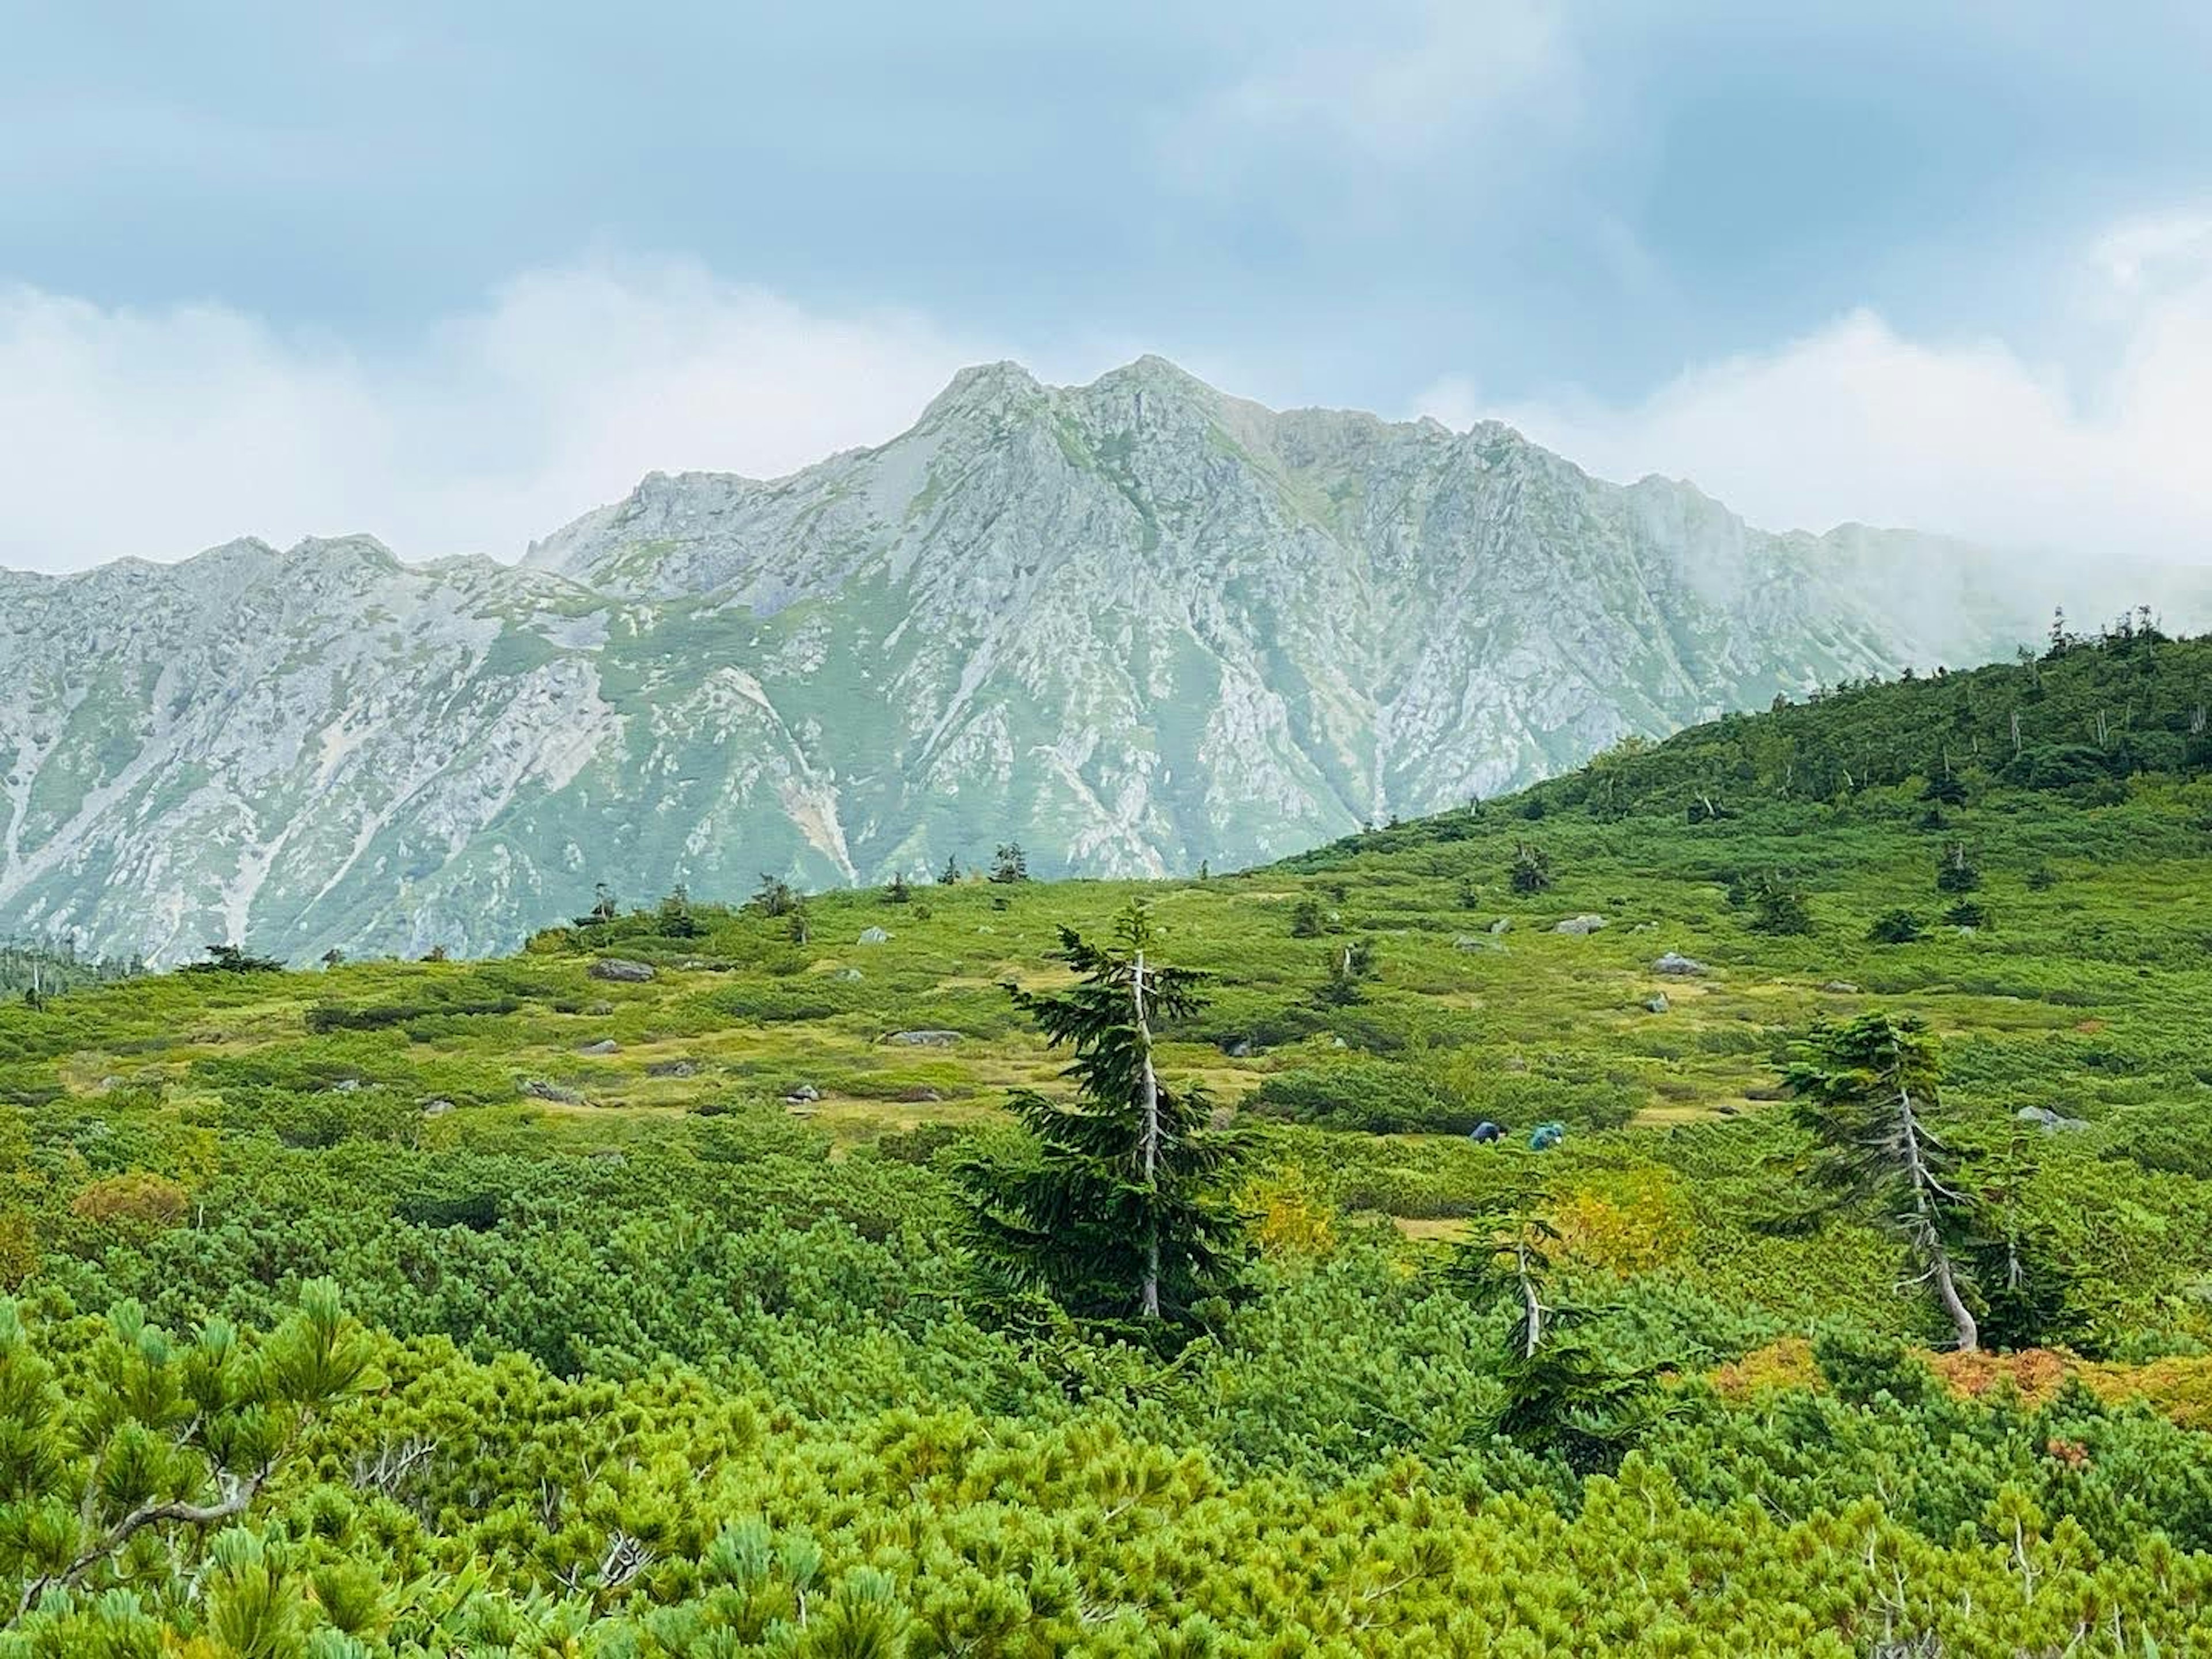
point(237, 548)
point(1155, 377)
point(1152, 369)
point(984, 386)
point(332, 550)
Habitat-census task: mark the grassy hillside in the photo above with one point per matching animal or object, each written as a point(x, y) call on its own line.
point(674, 1343)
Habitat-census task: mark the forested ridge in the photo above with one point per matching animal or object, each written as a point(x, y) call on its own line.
point(1751, 1195)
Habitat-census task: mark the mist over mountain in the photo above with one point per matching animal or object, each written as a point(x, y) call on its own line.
point(1133, 625)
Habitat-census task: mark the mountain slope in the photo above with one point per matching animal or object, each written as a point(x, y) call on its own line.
point(1135, 625)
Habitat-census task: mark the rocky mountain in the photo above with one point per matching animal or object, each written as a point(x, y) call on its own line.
point(1134, 625)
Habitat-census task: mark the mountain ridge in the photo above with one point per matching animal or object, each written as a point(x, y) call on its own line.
point(1136, 625)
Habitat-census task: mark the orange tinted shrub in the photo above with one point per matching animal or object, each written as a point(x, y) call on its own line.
point(1784, 1364)
point(2178, 1389)
point(136, 1201)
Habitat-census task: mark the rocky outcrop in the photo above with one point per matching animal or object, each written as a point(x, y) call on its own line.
point(1133, 625)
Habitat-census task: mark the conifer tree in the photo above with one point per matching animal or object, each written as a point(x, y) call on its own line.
point(774, 897)
point(232, 959)
point(1779, 905)
point(1119, 1216)
point(604, 908)
point(1956, 871)
point(1867, 1092)
point(1011, 864)
point(676, 919)
point(1895, 928)
point(1566, 1389)
point(1511, 1255)
point(2024, 1289)
point(155, 1443)
point(1349, 962)
point(1532, 869)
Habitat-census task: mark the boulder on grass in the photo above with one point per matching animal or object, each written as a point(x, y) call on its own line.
point(2049, 1121)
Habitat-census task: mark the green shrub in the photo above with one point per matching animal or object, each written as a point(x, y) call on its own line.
point(1375, 1096)
point(1895, 927)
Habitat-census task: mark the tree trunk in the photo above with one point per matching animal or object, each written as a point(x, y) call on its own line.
point(1962, 1320)
point(1930, 1239)
point(1148, 1106)
point(1532, 1307)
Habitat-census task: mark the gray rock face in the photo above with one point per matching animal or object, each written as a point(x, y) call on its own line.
point(1136, 625)
point(603, 1047)
point(1587, 922)
point(2049, 1121)
point(1656, 1003)
point(874, 936)
point(1680, 966)
point(621, 970)
point(924, 1039)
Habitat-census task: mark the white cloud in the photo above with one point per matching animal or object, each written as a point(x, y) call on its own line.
point(154, 432)
point(1456, 68)
point(1976, 438)
point(2137, 252)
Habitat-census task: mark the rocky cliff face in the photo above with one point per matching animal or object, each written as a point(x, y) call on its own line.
point(1135, 625)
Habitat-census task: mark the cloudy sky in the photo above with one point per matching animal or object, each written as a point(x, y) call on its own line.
point(453, 274)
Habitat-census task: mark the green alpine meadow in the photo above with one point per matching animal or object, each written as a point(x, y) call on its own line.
point(1265, 830)
point(1749, 1193)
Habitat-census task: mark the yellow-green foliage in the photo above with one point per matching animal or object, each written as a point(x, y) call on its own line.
point(679, 1350)
point(1627, 1222)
